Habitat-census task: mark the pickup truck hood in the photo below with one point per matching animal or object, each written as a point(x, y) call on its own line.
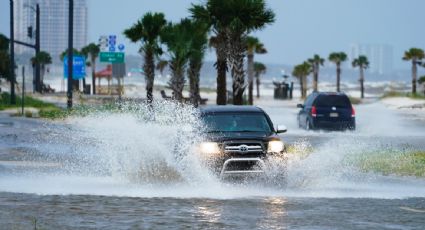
point(234, 136)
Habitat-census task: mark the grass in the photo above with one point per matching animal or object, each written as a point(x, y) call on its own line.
point(355, 100)
point(28, 102)
point(403, 94)
point(407, 163)
point(49, 110)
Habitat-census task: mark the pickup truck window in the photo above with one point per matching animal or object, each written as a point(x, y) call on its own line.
point(224, 122)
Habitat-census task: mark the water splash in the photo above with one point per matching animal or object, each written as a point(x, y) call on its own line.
point(147, 151)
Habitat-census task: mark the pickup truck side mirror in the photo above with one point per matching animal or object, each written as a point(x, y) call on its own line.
point(301, 106)
point(281, 129)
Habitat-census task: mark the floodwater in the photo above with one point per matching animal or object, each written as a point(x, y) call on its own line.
point(124, 171)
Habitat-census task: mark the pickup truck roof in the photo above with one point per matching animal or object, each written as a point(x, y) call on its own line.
point(230, 108)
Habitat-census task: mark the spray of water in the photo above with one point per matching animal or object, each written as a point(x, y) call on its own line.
point(148, 151)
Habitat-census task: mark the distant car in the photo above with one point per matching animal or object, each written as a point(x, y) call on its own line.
point(240, 141)
point(327, 110)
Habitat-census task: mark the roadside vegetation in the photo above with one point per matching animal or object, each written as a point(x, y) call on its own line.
point(404, 163)
point(28, 102)
point(403, 94)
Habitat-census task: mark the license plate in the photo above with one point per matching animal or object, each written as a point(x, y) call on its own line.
point(333, 115)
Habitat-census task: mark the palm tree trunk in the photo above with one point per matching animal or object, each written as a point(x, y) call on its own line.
point(93, 73)
point(250, 78)
point(315, 76)
point(257, 77)
point(43, 70)
point(414, 75)
point(193, 73)
point(149, 70)
point(301, 87)
point(238, 74)
point(338, 77)
point(177, 81)
point(221, 66)
point(361, 82)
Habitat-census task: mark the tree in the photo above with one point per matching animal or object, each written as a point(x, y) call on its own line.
point(199, 41)
point(421, 81)
point(259, 68)
point(301, 72)
point(147, 31)
point(92, 50)
point(414, 55)
point(5, 58)
point(232, 20)
point(363, 64)
point(338, 58)
point(42, 58)
point(211, 13)
point(316, 62)
point(160, 65)
point(177, 38)
point(253, 46)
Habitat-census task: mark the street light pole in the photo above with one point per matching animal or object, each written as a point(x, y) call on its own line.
point(37, 49)
point(12, 58)
point(70, 57)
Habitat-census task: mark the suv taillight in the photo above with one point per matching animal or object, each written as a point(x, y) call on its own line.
point(313, 111)
point(353, 112)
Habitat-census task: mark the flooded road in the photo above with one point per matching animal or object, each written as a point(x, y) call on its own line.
point(112, 171)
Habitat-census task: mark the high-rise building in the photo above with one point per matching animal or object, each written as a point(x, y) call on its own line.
point(53, 25)
point(380, 56)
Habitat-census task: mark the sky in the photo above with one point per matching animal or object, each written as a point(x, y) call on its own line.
point(302, 27)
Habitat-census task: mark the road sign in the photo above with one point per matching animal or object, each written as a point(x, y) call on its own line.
point(112, 57)
point(78, 67)
point(111, 48)
point(103, 43)
point(121, 47)
point(118, 70)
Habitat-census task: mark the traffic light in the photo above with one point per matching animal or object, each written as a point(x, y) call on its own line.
point(29, 31)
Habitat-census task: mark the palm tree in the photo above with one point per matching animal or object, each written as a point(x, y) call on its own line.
point(177, 38)
point(421, 81)
point(253, 46)
point(414, 55)
point(301, 72)
point(232, 20)
point(160, 65)
point(199, 41)
point(5, 58)
point(338, 58)
point(259, 68)
point(211, 14)
point(93, 51)
point(147, 31)
point(363, 64)
point(42, 58)
point(316, 62)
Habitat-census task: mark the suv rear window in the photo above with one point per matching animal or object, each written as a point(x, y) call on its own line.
point(332, 100)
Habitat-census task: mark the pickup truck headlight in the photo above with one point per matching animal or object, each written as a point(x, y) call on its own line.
point(209, 148)
point(275, 146)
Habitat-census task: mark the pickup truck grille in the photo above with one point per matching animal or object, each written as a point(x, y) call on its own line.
point(244, 147)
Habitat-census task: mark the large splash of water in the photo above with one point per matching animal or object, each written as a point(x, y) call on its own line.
point(147, 151)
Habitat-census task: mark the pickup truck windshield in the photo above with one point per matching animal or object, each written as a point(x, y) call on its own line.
point(255, 122)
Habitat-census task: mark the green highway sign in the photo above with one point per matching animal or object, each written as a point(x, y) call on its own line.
point(112, 57)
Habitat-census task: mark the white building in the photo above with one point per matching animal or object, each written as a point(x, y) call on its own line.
point(380, 56)
point(53, 23)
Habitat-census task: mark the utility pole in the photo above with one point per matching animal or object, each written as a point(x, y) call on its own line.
point(37, 49)
point(70, 57)
point(23, 89)
point(12, 58)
